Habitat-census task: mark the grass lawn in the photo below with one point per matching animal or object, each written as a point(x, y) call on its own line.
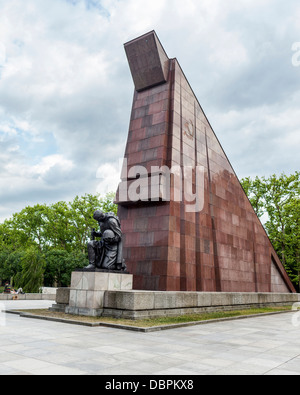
point(153, 322)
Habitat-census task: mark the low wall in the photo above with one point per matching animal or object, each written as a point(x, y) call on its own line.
point(138, 304)
point(28, 296)
point(147, 304)
point(48, 290)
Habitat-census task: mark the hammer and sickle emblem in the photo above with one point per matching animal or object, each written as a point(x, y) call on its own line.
point(189, 130)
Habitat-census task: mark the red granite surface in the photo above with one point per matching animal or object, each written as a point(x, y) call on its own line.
point(221, 248)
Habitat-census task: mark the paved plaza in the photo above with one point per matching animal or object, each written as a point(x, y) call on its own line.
point(268, 345)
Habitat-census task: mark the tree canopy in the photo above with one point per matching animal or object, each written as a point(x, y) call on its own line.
point(43, 244)
point(276, 200)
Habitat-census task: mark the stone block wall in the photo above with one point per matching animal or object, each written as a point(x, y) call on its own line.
point(219, 245)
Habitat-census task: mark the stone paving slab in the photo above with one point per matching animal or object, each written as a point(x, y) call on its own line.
point(268, 345)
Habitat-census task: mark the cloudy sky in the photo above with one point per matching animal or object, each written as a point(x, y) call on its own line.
point(66, 89)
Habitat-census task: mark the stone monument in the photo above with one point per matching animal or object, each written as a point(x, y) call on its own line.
point(190, 237)
point(187, 223)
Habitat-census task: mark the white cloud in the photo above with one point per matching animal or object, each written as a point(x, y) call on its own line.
point(66, 89)
point(108, 176)
point(2, 54)
point(51, 161)
point(39, 171)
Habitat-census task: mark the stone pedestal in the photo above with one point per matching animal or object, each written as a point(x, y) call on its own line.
point(62, 300)
point(88, 289)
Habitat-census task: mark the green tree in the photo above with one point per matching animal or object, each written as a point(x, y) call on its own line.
point(277, 199)
point(294, 242)
point(3, 257)
point(82, 210)
point(13, 238)
point(11, 266)
point(32, 276)
point(59, 266)
point(255, 191)
point(55, 266)
point(75, 260)
point(29, 224)
point(57, 226)
point(107, 204)
point(59, 232)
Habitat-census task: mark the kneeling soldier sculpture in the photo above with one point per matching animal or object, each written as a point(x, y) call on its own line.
point(106, 253)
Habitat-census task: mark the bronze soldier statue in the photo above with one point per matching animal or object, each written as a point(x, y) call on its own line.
point(106, 253)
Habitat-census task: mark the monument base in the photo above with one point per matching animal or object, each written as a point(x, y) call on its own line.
point(150, 304)
point(62, 300)
point(110, 294)
point(88, 288)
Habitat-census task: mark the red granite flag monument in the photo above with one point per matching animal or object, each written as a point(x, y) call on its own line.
point(187, 223)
